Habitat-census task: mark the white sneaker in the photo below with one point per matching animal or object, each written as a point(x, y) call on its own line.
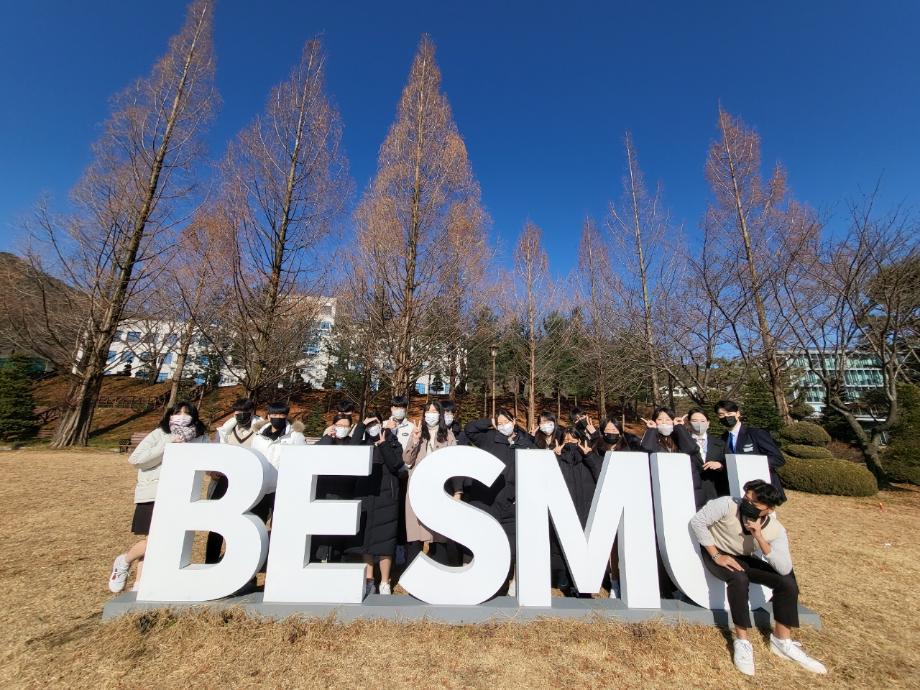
point(614, 592)
point(744, 657)
point(512, 590)
point(787, 649)
point(119, 574)
point(385, 588)
point(368, 588)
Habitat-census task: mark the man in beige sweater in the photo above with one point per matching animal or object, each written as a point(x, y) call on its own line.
point(744, 543)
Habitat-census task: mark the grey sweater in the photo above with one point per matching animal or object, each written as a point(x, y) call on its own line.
point(717, 524)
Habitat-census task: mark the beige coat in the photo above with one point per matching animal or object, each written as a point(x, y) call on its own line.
point(417, 449)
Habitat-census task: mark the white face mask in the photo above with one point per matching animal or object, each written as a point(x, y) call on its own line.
point(399, 413)
point(448, 418)
point(431, 418)
point(700, 427)
point(548, 427)
point(341, 431)
point(373, 430)
point(506, 429)
point(665, 429)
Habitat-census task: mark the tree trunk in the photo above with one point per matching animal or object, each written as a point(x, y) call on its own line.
point(868, 444)
point(643, 274)
point(74, 426)
point(769, 346)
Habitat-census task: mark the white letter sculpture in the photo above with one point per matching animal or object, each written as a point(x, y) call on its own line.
point(622, 505)
point(479, 579)
point(298, 515)
point(179, 512)
point(672, 482)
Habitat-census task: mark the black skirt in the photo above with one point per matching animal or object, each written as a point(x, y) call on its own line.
point(142, 514)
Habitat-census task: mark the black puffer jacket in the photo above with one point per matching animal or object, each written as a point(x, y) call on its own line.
point(498, 499)
point(580, 472)
point(379, 494)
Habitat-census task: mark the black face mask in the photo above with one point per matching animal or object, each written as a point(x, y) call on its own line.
point(278, 423)
point(729, 421)
point(748, 510)
point(612, 439)
point(243, 418)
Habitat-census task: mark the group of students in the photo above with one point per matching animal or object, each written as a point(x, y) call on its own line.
point(742, 541)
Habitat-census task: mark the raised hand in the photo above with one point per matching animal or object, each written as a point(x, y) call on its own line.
point(649, 423)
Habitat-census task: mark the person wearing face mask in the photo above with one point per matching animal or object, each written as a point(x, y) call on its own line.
point(179, 424)
point(712, 448)
point(613, 439)
point(580, 467)
point(341, 407)
point(430, 435)
point(328, 548)
point(277, 431)
point(741, 439)
point(502, 438)
point(379, 496)
point(239, 430)
point(666, 433)
point(547, 434)
point(452, 420)
point(403, 427)
point(743, 543)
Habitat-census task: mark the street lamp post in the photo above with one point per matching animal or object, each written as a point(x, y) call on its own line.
point(494, 351)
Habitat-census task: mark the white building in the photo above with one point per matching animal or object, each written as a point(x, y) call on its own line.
point(143, 344)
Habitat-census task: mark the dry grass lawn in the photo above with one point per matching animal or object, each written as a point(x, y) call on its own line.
point(64, 515)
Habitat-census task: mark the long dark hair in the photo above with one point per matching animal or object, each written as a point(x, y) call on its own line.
point(175, 409)
point(442, 427)
point(667, 441)
point(621, 444)
point(542, 440)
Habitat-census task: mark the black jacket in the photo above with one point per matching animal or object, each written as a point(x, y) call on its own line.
point(459, 434)
point(716, 479)
point(753, 441)
point(333, 486)
point(379, 494)
point(580, 473)
point(498, 499)
point(685, 444)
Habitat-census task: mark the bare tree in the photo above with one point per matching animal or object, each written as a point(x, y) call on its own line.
point(697, 354)
point(128, 199)
point(639, 227)
point(853, 298)
point(284, 182)
point(424, 182)
point(751, 222)
point(596, 279)
point(39, 315)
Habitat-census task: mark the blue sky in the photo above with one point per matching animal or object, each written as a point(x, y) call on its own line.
point(542, 92)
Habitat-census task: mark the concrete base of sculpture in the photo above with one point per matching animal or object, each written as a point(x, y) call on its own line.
point(499, 609)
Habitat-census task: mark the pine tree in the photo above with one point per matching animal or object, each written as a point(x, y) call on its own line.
point(758, 406)
point(17, 418)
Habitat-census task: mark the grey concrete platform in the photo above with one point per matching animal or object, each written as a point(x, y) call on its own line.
point(500, 609)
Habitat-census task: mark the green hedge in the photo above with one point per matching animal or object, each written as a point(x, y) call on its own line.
point(807, 452)
point(805, 433)
point(903, 472)
point(828, 476)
